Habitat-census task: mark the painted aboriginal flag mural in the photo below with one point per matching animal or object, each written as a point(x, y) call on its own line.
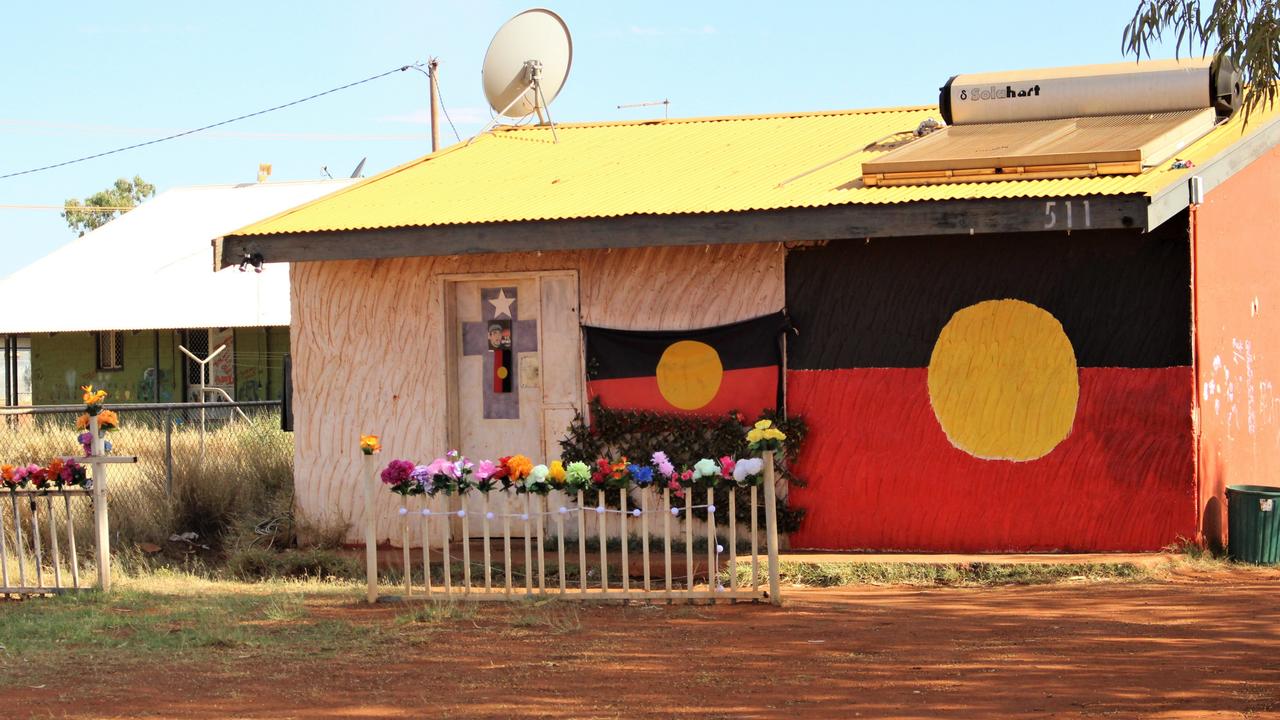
point(708, 371)
point(987, 394)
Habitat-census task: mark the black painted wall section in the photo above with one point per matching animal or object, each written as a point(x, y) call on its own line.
point(1123, 297)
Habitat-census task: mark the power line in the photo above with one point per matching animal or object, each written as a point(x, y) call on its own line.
point(206, 127)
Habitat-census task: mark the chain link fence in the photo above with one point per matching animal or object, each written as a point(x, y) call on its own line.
point(202, 467)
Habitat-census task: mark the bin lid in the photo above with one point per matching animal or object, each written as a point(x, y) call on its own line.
point(1255, 490)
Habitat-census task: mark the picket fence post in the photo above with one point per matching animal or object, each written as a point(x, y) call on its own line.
point(369, 478)
point(771, 527)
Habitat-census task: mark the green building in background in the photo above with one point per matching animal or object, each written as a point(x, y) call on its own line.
point(154, 292)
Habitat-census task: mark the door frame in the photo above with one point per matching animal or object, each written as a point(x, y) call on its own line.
point(448, 305)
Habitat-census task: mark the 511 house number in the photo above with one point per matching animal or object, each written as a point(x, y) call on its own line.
point(1061, 214)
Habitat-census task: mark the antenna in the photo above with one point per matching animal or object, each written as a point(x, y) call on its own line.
point(525, 67)
point(666, 106)
point(359, 168)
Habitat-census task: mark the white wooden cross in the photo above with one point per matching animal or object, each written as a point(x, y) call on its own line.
point(99, 461)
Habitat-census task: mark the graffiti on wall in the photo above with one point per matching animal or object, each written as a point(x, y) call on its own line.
point(1246, 403)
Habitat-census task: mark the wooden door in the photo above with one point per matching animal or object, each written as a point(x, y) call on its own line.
point(516, 377)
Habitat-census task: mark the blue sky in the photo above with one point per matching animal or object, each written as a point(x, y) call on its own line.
point(81, 78)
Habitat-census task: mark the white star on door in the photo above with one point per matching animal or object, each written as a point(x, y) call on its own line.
point(502, 304)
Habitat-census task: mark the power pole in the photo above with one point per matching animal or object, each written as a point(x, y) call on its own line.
point(433, 68)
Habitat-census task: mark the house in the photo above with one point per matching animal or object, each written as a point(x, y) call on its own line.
point(131, 292)
point(1072, 358)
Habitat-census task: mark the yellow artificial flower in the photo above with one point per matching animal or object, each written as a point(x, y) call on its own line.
point(774, 434)
point(556, 472)
point(93, 397)
point(370, 444)
point(755, 435)
point(764, 424)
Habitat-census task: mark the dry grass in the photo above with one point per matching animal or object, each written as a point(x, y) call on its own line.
point(239, 493)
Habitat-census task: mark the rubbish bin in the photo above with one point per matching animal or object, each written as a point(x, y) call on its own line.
point(1253, 524)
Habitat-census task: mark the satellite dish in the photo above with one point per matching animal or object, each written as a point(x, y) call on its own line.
point(527, 63)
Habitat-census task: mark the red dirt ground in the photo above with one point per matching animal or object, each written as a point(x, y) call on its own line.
point(1199, 647)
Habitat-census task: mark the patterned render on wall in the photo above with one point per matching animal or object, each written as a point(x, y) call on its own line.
point(369, 345)
point(1238, 337)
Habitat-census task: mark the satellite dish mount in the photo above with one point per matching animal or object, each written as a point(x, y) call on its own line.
point(526, 66)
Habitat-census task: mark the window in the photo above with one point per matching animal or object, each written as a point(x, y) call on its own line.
point(15, 370)
point(110, 350)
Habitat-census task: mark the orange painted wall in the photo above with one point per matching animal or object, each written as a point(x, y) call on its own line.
point(1237, 304)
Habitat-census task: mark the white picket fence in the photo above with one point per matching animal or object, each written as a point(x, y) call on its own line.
point(32, 542)
point(648, 513)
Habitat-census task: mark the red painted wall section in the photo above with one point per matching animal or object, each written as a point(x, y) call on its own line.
point(884, 476)
point(1237, 304)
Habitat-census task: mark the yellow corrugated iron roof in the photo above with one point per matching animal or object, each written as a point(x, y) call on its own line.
point(701, 165)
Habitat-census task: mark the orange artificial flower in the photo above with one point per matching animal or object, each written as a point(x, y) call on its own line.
point(93, 397)
point(54, 469)
point(108, 420)
point(370, 444)
point(519, 467)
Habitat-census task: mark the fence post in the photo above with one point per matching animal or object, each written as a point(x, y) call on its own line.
point(168, 453)
point(100, 529)
point(771, 527)
point(368, 479)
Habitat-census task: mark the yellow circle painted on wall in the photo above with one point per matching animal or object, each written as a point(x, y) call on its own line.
point(1003, 381)
point(689, 374)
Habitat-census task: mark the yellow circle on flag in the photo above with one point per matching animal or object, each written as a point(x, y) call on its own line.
point(1003, 381)
point(502, 373)
point(689, 374)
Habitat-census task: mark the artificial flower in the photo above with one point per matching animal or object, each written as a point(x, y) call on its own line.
point(755, 435)
point(53, 471)
point(663, 463)
point(706, 468)
point(519, 467)
point(763, 424)
point(423, 476)
point(764, 437)
point(726, 467)
point(398, 474)
point(484, 473)
point(6, 476)
point(556, 472)
point(747, 470)
point(370, 444)
point(93, 398)
point(577, 476)
point(108, 420)
point(485, 469)
point(537, 482)
point(641, 475)
point(36, 476)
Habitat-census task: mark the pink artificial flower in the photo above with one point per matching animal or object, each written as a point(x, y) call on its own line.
point(440, 466)
point(663, 463)
point(687, 475)
point(726, 467)
point(485, 469)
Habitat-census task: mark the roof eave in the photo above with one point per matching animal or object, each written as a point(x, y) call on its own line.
point(833, 222)
point(1177, 195)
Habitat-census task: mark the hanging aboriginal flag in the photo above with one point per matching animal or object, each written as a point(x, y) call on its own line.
point(709, 371)
point(1013, 392)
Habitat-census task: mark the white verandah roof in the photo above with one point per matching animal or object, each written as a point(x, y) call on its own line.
point(150, 268)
